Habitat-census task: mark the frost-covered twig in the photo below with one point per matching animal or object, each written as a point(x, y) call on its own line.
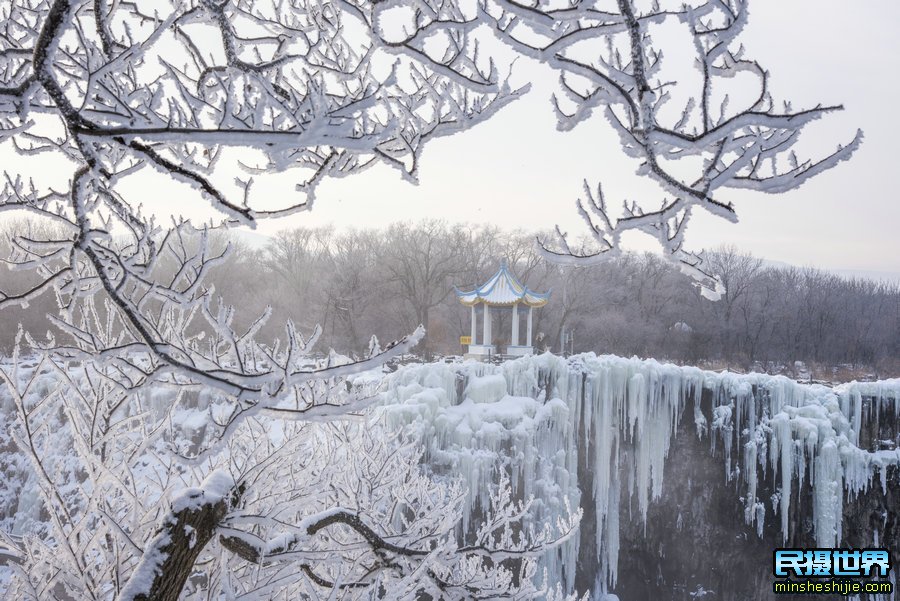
point(321, 90)
point(716, 140)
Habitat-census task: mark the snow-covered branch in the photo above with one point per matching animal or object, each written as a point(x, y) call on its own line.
point(167, 439)
point(124, 94)
point(313, 510)
point(168, 559)
point(694, 136)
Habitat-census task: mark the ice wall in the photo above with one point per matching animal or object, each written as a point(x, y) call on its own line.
point(537, 417)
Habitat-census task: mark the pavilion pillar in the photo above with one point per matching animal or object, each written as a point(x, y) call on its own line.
point(487, 325)
point(530, 312)
point(515, 324)
point(474, 329)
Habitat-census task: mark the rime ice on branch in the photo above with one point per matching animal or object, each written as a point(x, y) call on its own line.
point(694, 136)
point(211, 94)
point(535, 418)
point(337, 510)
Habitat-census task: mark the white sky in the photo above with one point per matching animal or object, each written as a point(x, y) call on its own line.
point(517, 171)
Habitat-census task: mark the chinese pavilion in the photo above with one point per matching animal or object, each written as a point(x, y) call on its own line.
point(503, 289)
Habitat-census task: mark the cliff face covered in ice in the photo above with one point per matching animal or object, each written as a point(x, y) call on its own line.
point(687, 479)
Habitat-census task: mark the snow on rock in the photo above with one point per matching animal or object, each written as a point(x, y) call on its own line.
point(537, 417)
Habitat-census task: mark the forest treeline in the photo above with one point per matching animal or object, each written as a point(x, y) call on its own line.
point(385, 282)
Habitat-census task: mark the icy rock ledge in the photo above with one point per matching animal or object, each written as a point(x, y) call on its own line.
point(537, 417)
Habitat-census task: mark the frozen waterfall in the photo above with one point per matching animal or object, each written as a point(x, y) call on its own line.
point(597, 430)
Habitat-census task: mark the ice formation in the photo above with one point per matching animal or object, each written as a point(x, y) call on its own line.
point(595, 432)
point(538, 417)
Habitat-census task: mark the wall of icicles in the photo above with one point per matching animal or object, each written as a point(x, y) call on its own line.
point(596, 432)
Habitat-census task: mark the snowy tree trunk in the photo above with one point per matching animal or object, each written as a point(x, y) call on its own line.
point(169, 557)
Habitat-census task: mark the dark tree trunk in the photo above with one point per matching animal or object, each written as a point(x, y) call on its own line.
point(188, 531)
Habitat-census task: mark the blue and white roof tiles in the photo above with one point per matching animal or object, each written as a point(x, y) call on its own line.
point(503, 289)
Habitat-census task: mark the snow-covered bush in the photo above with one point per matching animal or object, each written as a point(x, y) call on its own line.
point(278, 510)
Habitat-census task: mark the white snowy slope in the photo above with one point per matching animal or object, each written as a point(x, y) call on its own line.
point(528, 416)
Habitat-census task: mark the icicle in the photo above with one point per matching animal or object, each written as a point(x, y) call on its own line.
point(760, 519)
point(525, 417)
point(750, 478)
point(828, 496)
point(857, 415)
point(785, 445)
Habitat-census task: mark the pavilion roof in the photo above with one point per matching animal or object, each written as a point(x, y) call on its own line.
point(503, 289)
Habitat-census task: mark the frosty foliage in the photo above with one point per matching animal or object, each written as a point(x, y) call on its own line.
point(176, 455)
point(695, 134)
point(211, 95)
point(282, 510)
point(535, 419)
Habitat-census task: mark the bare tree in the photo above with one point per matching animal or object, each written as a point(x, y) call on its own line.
point(120, 93)
point(353, 287)
point(738, 273)
point(267, 517)
point(695, 137)
point(756, 317)
point(421, 263)
point(294, 258)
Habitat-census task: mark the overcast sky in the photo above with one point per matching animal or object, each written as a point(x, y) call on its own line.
point(517, 171)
